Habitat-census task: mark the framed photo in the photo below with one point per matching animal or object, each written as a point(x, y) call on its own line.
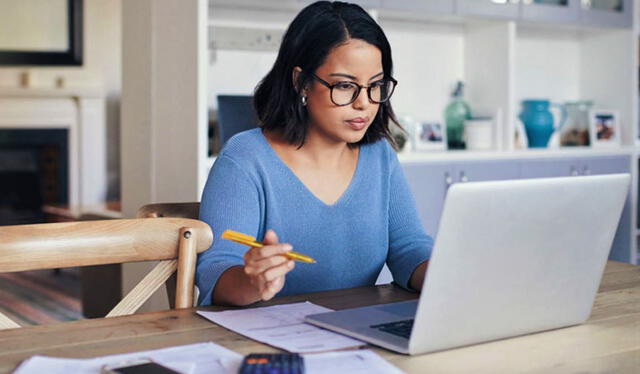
point(604, 128)
point(430, 136)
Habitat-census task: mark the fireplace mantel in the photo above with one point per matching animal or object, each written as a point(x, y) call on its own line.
point(79, 110)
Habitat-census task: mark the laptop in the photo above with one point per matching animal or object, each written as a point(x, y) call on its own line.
point(510, 258)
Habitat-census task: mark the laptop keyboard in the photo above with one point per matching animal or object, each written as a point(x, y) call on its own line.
point(399, 328)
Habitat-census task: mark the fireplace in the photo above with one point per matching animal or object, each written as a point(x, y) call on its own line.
point(34, 171)
point(52, 151)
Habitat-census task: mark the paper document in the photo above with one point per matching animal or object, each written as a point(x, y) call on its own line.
point(352, 362)
point(283, 326)
point(198, 358)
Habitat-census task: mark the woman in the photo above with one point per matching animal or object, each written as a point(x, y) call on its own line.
point(319, 175)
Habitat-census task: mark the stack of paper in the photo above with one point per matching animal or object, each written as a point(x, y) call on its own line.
point(188, 359)
point(210, 358)
point(283, 326)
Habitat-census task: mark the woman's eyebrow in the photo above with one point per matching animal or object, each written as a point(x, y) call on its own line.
point(352, 77)
point(342, 75)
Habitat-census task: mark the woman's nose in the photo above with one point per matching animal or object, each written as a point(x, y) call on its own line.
point(362, 101)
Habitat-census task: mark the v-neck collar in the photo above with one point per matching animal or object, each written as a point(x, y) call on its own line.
point(346, 194)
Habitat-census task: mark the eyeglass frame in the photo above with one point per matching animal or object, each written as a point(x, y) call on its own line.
point(360, 87)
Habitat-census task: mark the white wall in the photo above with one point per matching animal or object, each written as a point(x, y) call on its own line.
point(102, 67)
point(543, 57)
point(428, 59)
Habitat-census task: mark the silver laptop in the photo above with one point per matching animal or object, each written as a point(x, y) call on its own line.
point(510, 258)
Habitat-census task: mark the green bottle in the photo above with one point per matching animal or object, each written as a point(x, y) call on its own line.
point(455, 114)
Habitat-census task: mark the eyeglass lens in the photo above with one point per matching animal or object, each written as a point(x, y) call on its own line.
point(346, 92)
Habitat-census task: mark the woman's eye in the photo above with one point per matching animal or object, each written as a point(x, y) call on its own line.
point(378, 84)
point(344, 86)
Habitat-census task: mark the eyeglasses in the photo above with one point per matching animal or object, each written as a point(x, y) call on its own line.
point(345, 93)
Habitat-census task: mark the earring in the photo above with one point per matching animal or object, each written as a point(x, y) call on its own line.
point(304, 100)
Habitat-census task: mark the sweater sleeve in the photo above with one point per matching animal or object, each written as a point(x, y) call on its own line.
point(230, 200)
point(409, 244)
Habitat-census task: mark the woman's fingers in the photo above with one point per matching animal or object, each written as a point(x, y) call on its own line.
point(256, 254)
point(257, 267)
point(272, 288)
point(277, 271)
point(266, 267)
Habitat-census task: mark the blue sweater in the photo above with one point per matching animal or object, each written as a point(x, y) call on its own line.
point(250, 190)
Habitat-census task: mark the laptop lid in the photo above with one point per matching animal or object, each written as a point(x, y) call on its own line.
point(514, 257)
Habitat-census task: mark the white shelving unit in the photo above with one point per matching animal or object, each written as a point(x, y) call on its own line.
point(501, 60)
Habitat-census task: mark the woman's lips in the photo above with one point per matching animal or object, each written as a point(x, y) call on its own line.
point(357, 123)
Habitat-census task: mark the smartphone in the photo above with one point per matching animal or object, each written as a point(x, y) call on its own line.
point(143, 366)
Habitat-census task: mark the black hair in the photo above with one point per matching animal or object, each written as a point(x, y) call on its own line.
point(311, 36)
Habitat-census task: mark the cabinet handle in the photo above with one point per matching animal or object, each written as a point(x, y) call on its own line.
point(574, 171)
point(448, 181)
point(586, 171)
point(463, 177)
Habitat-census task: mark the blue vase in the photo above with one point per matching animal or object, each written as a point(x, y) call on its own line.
point(538, 122)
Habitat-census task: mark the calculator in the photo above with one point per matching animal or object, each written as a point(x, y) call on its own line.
point(272, 363)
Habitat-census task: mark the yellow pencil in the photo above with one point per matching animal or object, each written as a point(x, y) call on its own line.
point(251, 241)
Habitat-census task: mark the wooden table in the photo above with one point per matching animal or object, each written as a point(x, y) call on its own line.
point(608, 342)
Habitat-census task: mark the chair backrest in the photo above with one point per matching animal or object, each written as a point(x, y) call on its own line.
point(174, 241)
point(181, 210)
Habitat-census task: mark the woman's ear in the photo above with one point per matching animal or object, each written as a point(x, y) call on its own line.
point(295, 76)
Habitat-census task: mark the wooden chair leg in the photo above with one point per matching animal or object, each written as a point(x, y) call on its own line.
point(171, 285)
point(186, 268)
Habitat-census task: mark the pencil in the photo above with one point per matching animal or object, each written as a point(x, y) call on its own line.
point(251, 241)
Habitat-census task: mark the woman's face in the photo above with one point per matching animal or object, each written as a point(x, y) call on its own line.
point(355, 61)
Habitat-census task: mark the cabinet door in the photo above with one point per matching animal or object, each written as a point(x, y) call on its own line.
point(477, 171)
point(492, 8)
point(565, 11)
point(617, 13)
point(256, 4)
point(546, 168)
point(429, 6)
point(621, 248)
point(604, 165)
point(429, 183)
point(363, 3)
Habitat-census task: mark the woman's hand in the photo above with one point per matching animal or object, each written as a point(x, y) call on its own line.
point(266, 267)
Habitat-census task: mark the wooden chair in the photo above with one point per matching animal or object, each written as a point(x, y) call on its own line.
point(173, 241)
point(177, 210)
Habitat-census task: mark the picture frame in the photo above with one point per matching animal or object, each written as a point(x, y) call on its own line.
point(430, 136)
point(604, 128)
point(72, 56)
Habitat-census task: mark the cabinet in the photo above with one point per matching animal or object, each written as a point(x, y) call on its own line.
point(429, 182)
point(362, 3)
point(253, 4)
point(610, 13)
point(607, 12)
point(441, 7)
point(508, 9)
point(565, 11)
